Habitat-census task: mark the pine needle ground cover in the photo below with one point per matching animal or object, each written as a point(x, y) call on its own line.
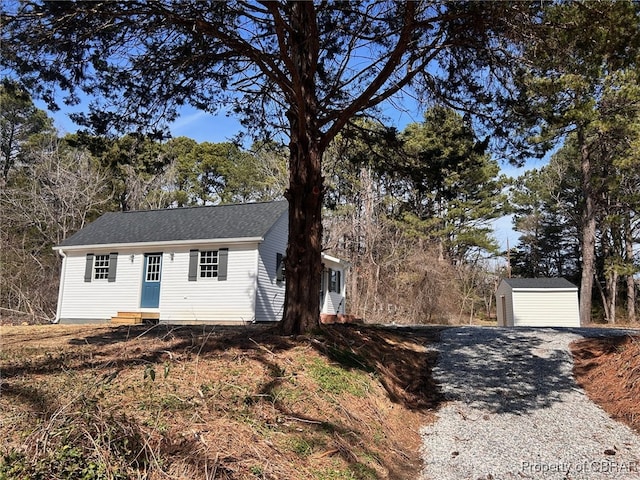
point(157, 402)
point(609, 371)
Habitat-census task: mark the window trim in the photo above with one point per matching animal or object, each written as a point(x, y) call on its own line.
point(208, 264)
point(101, 266)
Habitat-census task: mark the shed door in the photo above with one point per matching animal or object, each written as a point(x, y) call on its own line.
point(151, 280)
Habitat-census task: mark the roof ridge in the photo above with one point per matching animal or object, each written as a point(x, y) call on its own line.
point(194, 207)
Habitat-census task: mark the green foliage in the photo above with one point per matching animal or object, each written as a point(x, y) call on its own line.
point(397, 202)
point(20, 124)
point(573, 52)
point(347, 358)
point(212, 63)
point(363, 472)
point(550, 201)
point(336, 380)
point(357, 471)
point(547, 205)
point(440, 183)
point(580, 77)
point(453, 186)
point(147, 173)
point(65, 463)
point(288, 71)
point(301, 446)
point(81, 445)
point(257, 471)
point(149, 373)
point(224, 173)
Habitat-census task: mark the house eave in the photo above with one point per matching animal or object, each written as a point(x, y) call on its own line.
point(333, 259)
point(160, 244)
point(568, 289)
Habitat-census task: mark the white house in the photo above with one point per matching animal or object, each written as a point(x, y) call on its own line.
point(213, 264)
point(537, 302)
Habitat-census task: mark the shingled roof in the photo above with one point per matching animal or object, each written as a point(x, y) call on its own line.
point(249, 220)
point(539, 283)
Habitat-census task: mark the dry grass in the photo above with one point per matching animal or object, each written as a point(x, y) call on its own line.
point(213, 402)
point(609, 371)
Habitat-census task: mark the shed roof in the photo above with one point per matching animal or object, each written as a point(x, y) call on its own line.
point(249, 220)
point(538, 283)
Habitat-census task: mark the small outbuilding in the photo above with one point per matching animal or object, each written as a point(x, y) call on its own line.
point(537, 302)
point(211, 264)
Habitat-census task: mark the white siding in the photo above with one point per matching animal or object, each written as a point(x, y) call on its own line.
point(181, 301)
point(209, 299)
point(333, 302)
point(270, 293)
point(99, 299)
point(250, 292)
point(545, 308)
point(504, 305)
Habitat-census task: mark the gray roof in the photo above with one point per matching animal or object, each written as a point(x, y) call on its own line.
point(539, 283)
point(247, 220)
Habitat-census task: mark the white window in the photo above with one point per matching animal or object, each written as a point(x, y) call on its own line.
point(153, 268)
point(208, 265)
point(101, 267)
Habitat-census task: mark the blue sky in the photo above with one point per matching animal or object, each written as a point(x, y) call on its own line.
point(192, 123)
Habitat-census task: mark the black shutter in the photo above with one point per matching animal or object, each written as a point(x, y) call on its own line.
point(193, 265)
point(279, 268)
point(88, 268)
point(223, 259)
point(113, 265)
point(338, 281)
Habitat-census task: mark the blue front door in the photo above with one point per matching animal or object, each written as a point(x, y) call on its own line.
point(151, 280)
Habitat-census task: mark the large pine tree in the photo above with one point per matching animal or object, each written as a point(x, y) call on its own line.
point(301, 69)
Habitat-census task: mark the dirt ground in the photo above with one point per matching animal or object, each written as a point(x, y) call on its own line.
point(151, 402)
point(102, 402)
point(609, 371)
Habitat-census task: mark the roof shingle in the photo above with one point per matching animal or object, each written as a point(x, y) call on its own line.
point(539, 283)
point(247, 220)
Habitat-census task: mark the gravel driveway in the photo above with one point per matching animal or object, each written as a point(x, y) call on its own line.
point(514, 411)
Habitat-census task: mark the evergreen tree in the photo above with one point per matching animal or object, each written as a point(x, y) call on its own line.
point(569, 57)
point(290, 67)
point(453, 186)
point(19, 121)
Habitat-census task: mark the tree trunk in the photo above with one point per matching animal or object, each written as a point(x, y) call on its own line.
point(608, 293)
point(303, 264)
point(588, 232)
point(613, 295)
point(603, 298)
point(631, 284)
